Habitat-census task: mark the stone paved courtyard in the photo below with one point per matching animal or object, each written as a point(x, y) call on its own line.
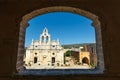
point(35, 66)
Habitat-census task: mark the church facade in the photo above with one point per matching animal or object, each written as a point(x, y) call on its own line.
point(44, 52)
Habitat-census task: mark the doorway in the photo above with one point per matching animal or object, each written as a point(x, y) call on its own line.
point(35, 59)
point(85, 60)
point(53, 59)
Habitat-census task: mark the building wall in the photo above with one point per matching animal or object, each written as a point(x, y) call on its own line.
point(44, 59)
point(93, 59)
point(84, 55)
point(75, 54)
point(11, 12)
point(41, 52)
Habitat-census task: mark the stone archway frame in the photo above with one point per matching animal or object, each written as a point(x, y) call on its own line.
point(84, 59)
point(24, 24)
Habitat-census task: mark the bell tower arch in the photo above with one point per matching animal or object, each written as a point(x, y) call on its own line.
point(45, 37)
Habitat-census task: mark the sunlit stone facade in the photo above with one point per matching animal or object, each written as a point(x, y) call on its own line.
point(44, 52)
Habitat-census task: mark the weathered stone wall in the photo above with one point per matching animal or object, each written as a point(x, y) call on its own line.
point(75, 54)
point(11, 12)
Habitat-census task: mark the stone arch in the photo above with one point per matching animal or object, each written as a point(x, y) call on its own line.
point(47, 39)
point(27, 17)
point(85, 60)
point(42, 39)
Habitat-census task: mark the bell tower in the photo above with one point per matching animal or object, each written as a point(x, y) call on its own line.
point(45, 37)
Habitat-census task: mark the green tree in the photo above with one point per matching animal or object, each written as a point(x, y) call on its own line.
point(67, 53)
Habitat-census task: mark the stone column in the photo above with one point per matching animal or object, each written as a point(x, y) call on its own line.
point(19, 64)
point(99, 50)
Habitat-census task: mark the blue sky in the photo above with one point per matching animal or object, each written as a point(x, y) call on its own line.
point(68, 27)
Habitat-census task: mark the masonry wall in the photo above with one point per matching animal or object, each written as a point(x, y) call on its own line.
point(75, 54)
point(11, 12)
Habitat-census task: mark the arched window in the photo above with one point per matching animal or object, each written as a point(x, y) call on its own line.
point(42, 39)
point(47, 38)
point(96, 25)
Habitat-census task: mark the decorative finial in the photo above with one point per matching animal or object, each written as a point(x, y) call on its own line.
point(45, 30)
point(32, 40)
